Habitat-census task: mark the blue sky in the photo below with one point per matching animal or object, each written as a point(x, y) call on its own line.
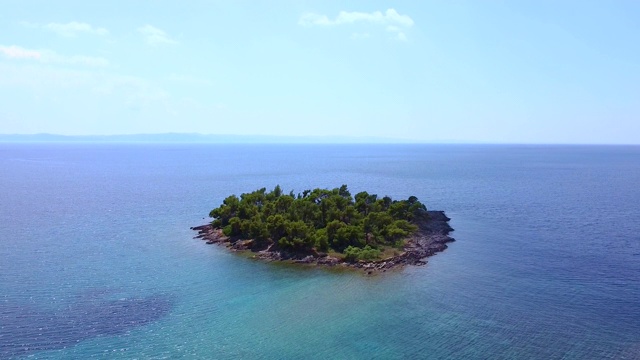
point(429, 71)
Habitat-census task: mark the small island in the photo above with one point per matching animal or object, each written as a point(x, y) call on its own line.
point(328, 227)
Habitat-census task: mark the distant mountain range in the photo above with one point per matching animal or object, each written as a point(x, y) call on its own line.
point(197, 138)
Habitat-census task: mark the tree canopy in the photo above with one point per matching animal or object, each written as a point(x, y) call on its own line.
point(320, 220)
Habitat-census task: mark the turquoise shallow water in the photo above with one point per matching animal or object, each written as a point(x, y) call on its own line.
point(97, 259)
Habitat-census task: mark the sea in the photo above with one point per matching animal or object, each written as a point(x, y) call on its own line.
point(97, 259)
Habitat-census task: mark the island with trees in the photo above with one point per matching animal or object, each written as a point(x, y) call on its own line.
point(328, 227)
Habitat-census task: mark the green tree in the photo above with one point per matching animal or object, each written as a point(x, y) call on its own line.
point(332, 229)
point(344, 192)
point(321, 240)
point(320, 218)
point(348, 235)
point(234, 228)
point(353, 254)
point(276, 226)
point(297, 236)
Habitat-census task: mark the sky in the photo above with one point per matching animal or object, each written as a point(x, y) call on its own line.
point(426, 71)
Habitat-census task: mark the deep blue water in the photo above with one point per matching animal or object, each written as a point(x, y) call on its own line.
point(97, 259)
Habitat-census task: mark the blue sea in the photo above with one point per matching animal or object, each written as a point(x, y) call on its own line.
point(97, 260)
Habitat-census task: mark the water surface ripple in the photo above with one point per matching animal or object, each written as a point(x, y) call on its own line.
point(97, 259)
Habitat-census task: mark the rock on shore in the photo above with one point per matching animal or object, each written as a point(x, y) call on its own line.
point(432, 237)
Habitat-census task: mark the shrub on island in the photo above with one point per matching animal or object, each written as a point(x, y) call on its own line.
point(320, 220)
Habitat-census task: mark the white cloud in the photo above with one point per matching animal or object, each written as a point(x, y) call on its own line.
point(391, 16)
point(185, 79)
point(155, 36)
point(399, 33)
point(310, 19)
point(358, 36)
point(91, 61)
point(76, 92)
point(50, 57)
point(392, 28)
point(391, 19)
point(74, 28)
point(17, 52)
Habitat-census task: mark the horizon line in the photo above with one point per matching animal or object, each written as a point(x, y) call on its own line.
point(200, 138)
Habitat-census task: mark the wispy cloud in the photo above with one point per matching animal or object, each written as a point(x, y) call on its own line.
point(83, 60)
point(391, 16)
point(136, 92)
point(155, 36)
point(122, 91)
point(358, 36)
point(394, 22)
point(399, 33)
point(51, 57)
point(17, 52)
point(185, 79)
point(70, 29)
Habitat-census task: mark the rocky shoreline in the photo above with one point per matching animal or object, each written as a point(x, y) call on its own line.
point(431, 238)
